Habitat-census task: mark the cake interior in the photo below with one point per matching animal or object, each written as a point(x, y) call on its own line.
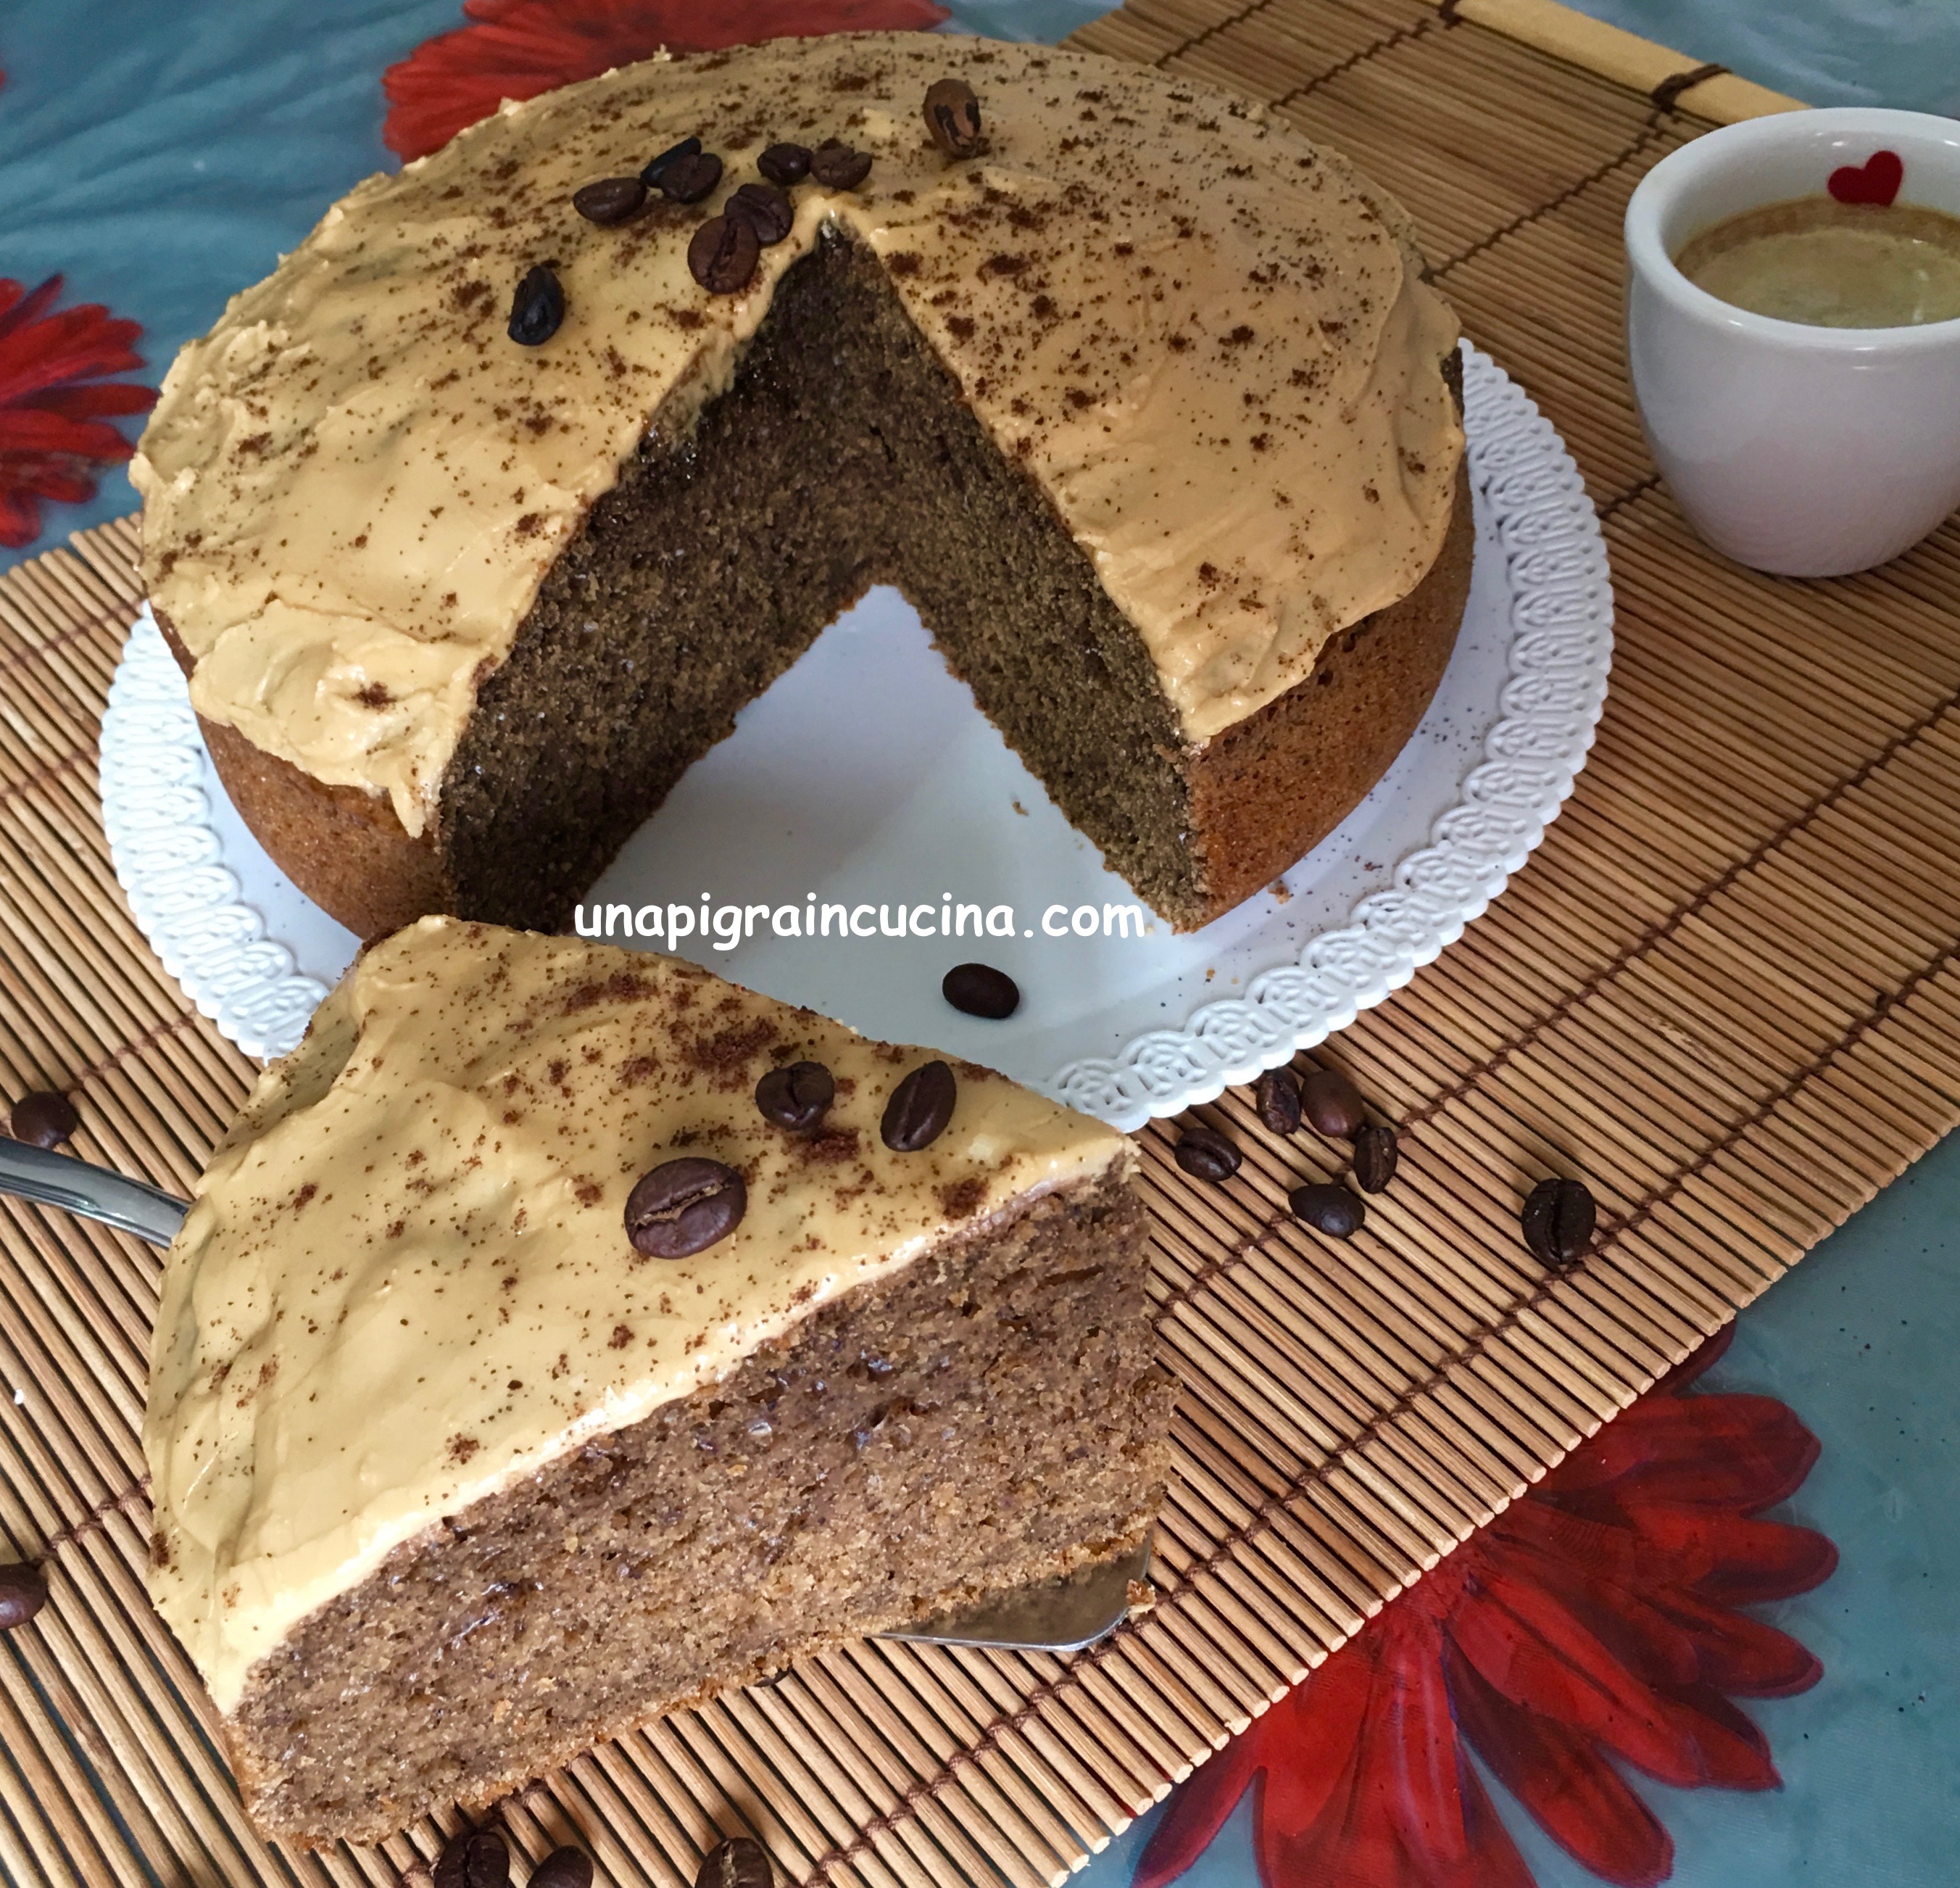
point(988, 1416)
point(842, 455)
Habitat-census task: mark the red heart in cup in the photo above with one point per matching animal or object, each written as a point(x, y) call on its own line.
point(1877, 180)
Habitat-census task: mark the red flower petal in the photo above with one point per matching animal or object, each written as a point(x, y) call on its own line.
point(1740, 1452)
point(1732, 1752)
point(1199, 1809)
point(54, 405)
point(517, 49)
point(1745, 1561)
point(1570, 1791)
point(1739, 1655)
point(1494, 1859)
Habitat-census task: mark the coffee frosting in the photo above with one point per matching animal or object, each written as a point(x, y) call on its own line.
point(405, 1281)
point(1209, 342)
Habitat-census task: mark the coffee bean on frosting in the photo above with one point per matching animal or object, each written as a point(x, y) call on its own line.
point(770, 214)
point(1558, 1222)
point(1332, 1103)
point(981, 990)
point(1206, 1155)
point(837, 167)
point(953, 116)
point(650, 172)
point(474, 1858)
point(919, 1109)
point(44, 1118)
point(689, 179)
point(610, 200)
point(683, 1206)
point(795, 1097)
point(1327, 1209)
point(723, 255)
point(563, 1868)
point(23, 1591)
point(1277, 1098)
point(738, 1864)
point(1376, 1154)
point(785, 164)
point(537, 308)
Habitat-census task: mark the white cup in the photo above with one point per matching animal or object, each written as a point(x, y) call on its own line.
point(1808, 451)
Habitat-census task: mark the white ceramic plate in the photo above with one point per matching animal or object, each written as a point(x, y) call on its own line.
point(866, 777)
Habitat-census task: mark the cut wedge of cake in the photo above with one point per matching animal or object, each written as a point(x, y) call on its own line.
point(520, 1376)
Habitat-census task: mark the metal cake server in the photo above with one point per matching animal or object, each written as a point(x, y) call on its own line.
point(1056, 1615)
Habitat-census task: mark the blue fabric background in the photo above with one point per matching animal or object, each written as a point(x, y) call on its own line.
point(161, 155)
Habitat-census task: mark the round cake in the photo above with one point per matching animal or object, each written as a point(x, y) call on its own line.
point(476, 522)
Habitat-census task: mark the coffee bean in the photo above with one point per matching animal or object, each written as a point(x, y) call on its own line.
point(981, 990)
point(1332, 1103)
point(739, 1863)
point(953, 116)
point(795, 1097)
point(682, 1206)
point(537, 308)
point(1558, 1222)
point(23, 1591)
point(919, 1107)
point(563, 1868)
point(689, 179)
point(44, 1118)
point(649, 173)
point(1206, 1156)
point(723, 253)
point(1327, 1209)
point(1376, 1154)
point(770, 213)
point(610, 200)
point(784, 163)
point(1277, 1098)
point(837, 167)
point(474, 1858)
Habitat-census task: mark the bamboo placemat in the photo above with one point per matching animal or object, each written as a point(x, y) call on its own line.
point(1725, 991)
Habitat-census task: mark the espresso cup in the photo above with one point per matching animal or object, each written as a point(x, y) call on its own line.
point(1807, 451)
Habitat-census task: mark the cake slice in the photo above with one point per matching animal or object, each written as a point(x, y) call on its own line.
point(541, 1353)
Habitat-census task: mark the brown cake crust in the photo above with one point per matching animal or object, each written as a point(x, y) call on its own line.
point(989, 1415)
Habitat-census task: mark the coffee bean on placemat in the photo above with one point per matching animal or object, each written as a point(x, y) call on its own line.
point(1277, 1098)
point(689, 179)
point(474, 1858)
point(45, 1118)
point(784, 164)
point(1332, 1103)
point(1558, 1221)
point(537, 307)
point(610, 200)
point(1376, 1154)
point(1206, 1155)
point(738, 1864)
point(919, 1109)
point(981, 990)
point(837, 167)
point(1327, 1209)
point(563, 1868)
point(682, 1206)
point(953, 116)
point(650, 172)
point(723, 255)
point(795, 1097)
point(770, 214)
point(23, 1591)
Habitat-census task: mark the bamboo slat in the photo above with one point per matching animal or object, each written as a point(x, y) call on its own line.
point(1726, 990)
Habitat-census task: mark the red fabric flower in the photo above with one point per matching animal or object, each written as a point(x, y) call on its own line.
point(1594, 1619)
point(54, 403)
point(517, 49)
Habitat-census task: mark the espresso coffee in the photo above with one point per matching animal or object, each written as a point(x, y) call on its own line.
point(1832, 264)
